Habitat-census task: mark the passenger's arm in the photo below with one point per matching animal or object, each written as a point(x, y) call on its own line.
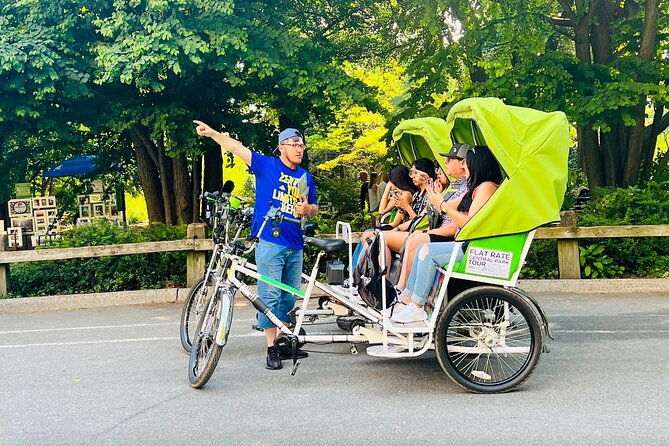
point(448, 230)
point(386, 205)
point(483, 194)
point(225, 141)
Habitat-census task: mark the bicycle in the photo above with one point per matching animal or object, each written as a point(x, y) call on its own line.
point(228, 220)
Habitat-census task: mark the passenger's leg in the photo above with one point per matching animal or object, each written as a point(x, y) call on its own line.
point(431, 256)
point(394, 241)
point(412, 243)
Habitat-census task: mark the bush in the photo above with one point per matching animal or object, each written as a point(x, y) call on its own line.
point(614, 257)
point(114, 273)
point(541, 261)
point(640, 257)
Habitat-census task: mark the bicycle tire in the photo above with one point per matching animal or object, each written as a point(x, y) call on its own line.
point(484, 327)
point(190, 314)
point(205, 349)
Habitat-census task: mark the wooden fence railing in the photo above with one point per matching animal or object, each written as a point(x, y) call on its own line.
point(196, 246)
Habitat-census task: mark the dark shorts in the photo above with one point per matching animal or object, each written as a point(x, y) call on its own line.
point(434, 238)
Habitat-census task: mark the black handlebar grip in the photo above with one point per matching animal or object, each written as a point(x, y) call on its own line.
point(296, 221)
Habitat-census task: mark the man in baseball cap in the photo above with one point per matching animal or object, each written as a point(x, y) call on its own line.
point(457, 151)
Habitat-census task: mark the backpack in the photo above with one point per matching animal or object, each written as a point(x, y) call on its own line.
point(369, 278)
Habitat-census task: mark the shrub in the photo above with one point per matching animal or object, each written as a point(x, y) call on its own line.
point(541, 261)
point(640, 257)
point(114, 273)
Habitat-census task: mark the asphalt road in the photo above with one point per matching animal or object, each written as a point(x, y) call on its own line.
point(118, 376)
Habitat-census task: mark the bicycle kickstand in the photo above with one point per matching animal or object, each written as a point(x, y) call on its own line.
point(293, 352)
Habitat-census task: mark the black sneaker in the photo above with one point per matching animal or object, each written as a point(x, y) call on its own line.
point(273, 360)
point(285, 354)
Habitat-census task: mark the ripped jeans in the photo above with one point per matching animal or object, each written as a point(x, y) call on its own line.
point(429, 257)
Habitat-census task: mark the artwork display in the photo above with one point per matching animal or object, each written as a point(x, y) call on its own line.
point(27, 225)
point(36, 215)
point(23, 207)
point(99, 205)
point(44, 202)
point(15, 237)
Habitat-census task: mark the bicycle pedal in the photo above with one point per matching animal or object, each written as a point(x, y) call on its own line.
point(255, 327)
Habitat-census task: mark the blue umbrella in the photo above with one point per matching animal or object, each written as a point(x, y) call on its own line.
point(74, 167)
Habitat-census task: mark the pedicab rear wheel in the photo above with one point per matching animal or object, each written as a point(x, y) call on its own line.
point(488, 339)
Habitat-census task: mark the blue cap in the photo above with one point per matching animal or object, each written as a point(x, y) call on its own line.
point(289, 133)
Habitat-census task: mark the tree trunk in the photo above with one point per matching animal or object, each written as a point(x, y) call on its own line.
point(164, 172)
point(213, 169)
point(591, 160)
point(613, 149)
point(183, 192)
point(601, 32)
point(148, 178)
point(634, 150)
point(646, 51)
point(196, 187)
point(582, 35)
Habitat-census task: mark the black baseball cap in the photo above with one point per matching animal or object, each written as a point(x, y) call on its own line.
point(457, 151)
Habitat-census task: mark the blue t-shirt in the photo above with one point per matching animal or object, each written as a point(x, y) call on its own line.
point(279, 185)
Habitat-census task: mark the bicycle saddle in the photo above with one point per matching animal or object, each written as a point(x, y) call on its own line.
point(327, 245)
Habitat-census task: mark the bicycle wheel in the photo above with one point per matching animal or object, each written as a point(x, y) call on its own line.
point(488, 340)
point(206, 352)
point(196, 302)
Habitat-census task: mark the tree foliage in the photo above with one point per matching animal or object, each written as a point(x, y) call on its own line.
point(603, 63)
point(151, 66)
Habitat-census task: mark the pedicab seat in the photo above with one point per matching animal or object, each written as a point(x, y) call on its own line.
point(327, 245)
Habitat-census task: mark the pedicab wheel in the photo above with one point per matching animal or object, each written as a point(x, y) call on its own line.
point(488, 340)
point(206, 352)
point(196, 302)
point(348, 323)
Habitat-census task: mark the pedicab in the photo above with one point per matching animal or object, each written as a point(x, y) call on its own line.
point(487, 333)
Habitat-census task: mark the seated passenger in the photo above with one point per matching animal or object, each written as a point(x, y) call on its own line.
point(484, 177)
point(422, 173)
point(446, 229)
point(400, 189)
point(399, 183)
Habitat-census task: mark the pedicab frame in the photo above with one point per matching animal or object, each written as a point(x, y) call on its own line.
point(477, 314)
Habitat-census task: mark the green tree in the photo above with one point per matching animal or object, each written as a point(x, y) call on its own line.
point(603, 63)
point(156, 64)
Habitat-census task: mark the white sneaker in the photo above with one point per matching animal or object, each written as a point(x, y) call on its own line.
point(394, 309)
point(410, 313)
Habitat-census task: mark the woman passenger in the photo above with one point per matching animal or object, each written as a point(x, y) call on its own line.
point(484, 177)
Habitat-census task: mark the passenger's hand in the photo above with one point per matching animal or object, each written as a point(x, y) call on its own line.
point(422, 176)
point(401, 202)
point(438, 187)
point(302, 206)
point(203, 129)
point(434, 196)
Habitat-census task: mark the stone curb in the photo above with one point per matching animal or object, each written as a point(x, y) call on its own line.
point(630, 287)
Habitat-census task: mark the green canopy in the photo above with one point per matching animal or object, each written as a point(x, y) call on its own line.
point(531, 147)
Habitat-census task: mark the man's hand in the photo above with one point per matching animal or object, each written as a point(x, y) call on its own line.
point(224, 140)
point(203, 129)
point(303, 206)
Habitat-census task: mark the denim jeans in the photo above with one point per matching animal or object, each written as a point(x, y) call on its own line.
point(283, 264)
point(424, 269)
